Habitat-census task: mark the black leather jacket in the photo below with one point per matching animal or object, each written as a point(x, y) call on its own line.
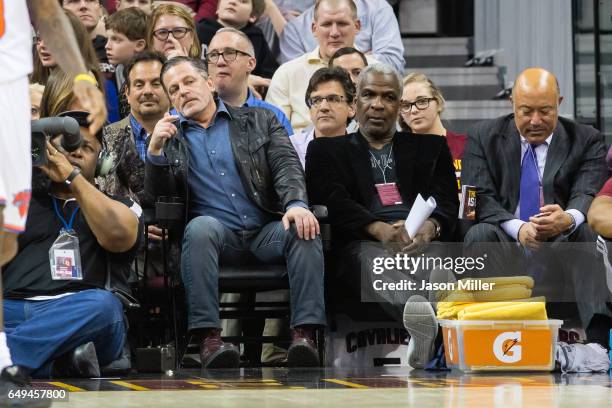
point(269, 167)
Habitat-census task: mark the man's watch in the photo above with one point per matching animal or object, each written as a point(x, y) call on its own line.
point(75, 172)
point(437, 227)
point(572, 225)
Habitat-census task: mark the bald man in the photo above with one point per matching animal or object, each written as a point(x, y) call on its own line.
point(536, 175)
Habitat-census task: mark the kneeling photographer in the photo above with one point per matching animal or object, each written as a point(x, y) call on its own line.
point(61, 318)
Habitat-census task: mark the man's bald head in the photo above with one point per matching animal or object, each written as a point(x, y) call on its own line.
point(535, 100)
point(536, 79)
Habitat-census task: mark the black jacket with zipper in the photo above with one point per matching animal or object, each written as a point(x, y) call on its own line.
point(269, 167)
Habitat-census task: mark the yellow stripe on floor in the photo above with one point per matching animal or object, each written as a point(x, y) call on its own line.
point(65, 386)
point(130, 386)
point(342, 382)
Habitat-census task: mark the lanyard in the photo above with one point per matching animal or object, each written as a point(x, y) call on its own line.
point(383, 170)
point(67, 225)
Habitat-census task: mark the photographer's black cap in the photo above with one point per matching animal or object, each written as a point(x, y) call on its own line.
point(81, 118)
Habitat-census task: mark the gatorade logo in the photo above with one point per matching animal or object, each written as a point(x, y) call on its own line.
point(507, 348)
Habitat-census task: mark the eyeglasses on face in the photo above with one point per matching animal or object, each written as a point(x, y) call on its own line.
point(177, 32)
point(229, 55)
point(332, 99)
point(421, 104)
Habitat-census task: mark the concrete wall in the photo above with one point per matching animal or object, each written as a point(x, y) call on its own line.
point(530, 33)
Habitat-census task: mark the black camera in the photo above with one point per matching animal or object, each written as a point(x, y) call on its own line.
point(46, 128)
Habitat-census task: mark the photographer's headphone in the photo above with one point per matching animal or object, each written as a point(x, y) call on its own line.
point(104, 162)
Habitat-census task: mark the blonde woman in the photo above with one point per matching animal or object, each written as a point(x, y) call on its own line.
point(421, 105)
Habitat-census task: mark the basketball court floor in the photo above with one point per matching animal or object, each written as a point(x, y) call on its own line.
point(372, 387)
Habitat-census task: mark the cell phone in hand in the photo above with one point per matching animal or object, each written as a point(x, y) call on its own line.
point(542, 214)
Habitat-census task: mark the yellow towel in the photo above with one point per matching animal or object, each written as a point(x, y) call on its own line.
point(451, 312)
point(481, 306)
point(515, 311)
point(506, 289)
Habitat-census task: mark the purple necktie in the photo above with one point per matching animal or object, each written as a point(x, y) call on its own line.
point(529, 199)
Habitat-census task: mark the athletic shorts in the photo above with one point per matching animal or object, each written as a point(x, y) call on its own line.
point(16, 157)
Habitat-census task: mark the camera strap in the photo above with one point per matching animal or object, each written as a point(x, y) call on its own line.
point(64, 254)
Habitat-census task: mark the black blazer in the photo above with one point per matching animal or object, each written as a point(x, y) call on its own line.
point(339, 175)
point(574, 172)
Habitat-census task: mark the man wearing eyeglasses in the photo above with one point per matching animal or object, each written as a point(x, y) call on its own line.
point(231, 59)
point(330, 98)
point(246, 201)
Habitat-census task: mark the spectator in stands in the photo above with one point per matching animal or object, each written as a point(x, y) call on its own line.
point(230, 60)
point(247, 199)
point(201, 8)
point(128, 138)
point(89, 12)
point(44, 61)
point(379, 37)
point(335, 27)
point(173, 33)
point(36, 92)
point(144, 5)
point(536, 175)
point(241, 15)
point(330, 98)
point(126, 31)
point(58, 96)
point(272, 23)
point(351, 60)
point(148, 103)
point(368, 180)
point(600, 213)
point(58, 325)
point(420, 109)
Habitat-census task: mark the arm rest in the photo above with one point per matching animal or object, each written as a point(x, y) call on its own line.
point(320, 212)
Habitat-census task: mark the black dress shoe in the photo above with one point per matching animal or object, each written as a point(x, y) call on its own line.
point(13, 382)
point(82, 362)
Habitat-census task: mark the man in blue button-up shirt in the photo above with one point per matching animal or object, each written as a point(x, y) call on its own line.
point(246, 199)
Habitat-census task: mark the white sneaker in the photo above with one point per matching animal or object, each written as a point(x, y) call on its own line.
point(422, 325)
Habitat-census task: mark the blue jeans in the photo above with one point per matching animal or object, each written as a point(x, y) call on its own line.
point(39, 331)
point(207, 242)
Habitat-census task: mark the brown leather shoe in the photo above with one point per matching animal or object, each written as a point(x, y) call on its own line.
point(215, 353)
point(303, 352)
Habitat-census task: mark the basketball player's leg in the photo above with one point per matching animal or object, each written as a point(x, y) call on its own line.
point(15, 178)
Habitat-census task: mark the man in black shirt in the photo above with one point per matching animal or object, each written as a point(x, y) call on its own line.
point(77, 242)
point(369, 181)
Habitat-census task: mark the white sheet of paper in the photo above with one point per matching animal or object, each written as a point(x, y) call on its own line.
point(420, 211)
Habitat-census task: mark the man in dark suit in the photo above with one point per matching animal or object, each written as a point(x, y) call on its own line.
point(369, 180)
point(536, 175)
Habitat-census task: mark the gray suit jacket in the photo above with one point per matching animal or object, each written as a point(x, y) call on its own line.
point(574, 172)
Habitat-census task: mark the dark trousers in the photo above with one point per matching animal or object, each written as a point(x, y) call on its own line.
point(207, 242)
point(356, 276)
point(562, 272)
point(39, 331)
